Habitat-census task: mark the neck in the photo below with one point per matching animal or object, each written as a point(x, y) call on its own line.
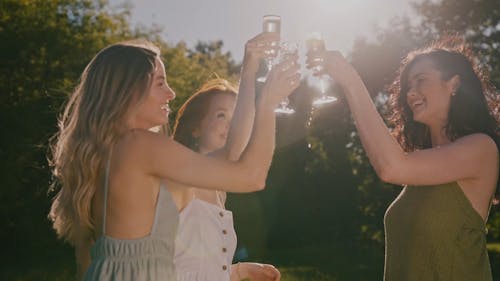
point(438, 136)
point(136, 124)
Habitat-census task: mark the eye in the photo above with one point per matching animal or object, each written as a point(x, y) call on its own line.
point(221, 115)
point(162, 83)
point(416, 83)
point(420, 80)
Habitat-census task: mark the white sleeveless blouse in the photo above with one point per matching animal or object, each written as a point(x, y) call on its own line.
point(205, 242)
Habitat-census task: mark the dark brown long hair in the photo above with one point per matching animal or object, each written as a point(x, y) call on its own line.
point(473, 109)
point(195, 109)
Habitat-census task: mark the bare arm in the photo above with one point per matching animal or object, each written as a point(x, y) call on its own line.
point(254, 271)
point(466, 158)
point(463, 159)
point(244, 112)
point(170, 160)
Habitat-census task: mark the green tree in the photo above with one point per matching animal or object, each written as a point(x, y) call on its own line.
point(478, 20)
point(45, 47)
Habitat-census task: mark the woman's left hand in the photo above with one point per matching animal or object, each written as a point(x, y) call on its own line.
point(258, 272)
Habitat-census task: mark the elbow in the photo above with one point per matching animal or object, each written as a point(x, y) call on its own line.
point(260, 184)
point(387, 172)
point(257, 180)
point(384, 174)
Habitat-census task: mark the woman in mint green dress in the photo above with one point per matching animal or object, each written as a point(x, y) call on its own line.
point(112, 167)
point(445, 154)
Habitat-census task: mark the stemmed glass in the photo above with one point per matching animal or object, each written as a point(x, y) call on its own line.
point(316, 45)
point(270, 23)
point(287, 49)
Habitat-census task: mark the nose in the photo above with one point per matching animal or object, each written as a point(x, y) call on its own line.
point(412, 92)
point(170, 94)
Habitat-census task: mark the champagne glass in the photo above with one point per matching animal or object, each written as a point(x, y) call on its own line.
point(270, 23)
point(316, 45)
point(287, 49)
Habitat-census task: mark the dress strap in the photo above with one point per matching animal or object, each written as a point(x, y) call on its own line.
point(106, 184)
point(221, 200)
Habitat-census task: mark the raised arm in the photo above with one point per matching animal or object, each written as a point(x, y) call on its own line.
point(244, 112)
point(168, 159)
point(466, 158)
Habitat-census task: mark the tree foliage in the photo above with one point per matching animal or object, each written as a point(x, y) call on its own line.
point(45, 46)
point(324, 204)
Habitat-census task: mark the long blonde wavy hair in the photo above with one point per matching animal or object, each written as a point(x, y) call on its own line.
point(117, 78)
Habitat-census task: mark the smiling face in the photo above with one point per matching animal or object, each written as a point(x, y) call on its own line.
point(428, 94)
point(153, 110)
point(213, 128)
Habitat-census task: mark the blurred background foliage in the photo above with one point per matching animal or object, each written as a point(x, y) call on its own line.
point(321, 216)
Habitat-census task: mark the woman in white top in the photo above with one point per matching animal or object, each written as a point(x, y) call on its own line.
point(206, 239)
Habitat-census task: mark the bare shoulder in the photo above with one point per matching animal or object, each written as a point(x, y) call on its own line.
point(138, 141)
point(479, 142)
point(479, 151)
point(137, 146)
point(140, 137)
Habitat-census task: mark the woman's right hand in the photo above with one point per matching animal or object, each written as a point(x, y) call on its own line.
point(258, 48)
point(281, 81)
point(335, 65)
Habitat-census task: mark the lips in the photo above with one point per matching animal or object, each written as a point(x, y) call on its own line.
point(165, 108)
point(417, 104)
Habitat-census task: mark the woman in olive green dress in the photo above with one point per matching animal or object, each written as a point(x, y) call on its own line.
point(445, 117)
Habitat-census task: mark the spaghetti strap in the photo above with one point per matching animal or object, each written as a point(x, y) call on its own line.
point(146, 258)
point(221, 202)
point(106, 183)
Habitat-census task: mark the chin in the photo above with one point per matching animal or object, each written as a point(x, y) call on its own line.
point(420, 120)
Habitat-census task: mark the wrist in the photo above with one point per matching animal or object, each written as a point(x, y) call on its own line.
point(240, 271)
point(250, 64)
point(249, 69)
point(353, 85)
point(248, 72)
point(265, 103)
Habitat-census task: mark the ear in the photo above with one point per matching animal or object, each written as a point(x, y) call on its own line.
point(454, 83)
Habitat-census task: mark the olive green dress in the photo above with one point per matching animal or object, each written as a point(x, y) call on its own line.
point(434, 233)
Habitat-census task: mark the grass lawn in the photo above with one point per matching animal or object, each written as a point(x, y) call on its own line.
point(62, 269)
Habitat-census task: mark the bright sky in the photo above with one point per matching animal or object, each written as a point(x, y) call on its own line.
point(236, 21)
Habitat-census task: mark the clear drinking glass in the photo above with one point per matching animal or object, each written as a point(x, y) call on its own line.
point(316, 45)
point(287, 49)
point(270, 23)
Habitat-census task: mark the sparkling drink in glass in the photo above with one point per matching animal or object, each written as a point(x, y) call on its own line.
point(270, 23)
point(316, 47)
point(287, 49)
